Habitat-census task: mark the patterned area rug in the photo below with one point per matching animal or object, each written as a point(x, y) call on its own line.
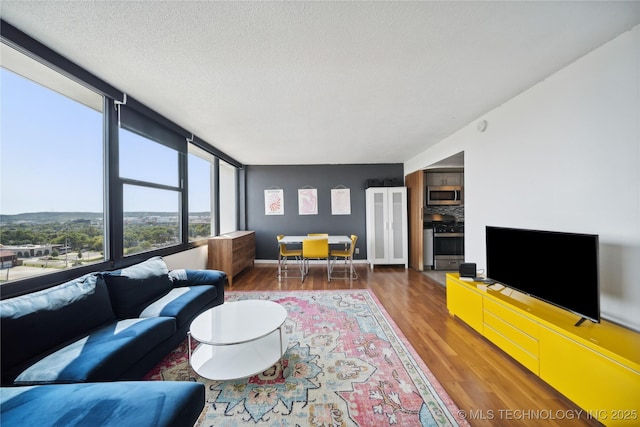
point(346, 365)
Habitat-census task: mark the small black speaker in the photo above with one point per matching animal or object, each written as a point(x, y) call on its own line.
point(468, 269)
point(374, 183)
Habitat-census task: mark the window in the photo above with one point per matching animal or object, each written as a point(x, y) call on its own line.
point(51, 171)
point(87, 187)
point(228, 198)
point(151, 195)
point(142, 159)
point(201, 173)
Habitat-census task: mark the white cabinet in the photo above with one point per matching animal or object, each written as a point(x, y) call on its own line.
point(387, 225)
point(444, 178)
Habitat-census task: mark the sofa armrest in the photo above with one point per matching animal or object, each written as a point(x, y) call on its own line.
point(183, 278)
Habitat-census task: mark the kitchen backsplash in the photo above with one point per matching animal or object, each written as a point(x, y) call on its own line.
point(456, 211)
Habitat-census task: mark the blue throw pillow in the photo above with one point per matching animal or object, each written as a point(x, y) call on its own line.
point(131, 289)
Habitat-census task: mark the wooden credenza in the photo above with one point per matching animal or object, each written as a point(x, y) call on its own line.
point(232, 252)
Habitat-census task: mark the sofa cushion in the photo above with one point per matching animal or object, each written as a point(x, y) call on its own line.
point(183, 303)
point(133, 288)
point(135, 403)
point(102, 355)
point(34, 323)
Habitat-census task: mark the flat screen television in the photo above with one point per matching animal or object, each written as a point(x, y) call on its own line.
point(559, 268)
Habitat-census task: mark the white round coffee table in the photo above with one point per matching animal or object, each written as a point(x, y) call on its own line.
point(237, 339)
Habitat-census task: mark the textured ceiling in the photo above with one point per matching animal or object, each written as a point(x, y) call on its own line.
point(322, 82)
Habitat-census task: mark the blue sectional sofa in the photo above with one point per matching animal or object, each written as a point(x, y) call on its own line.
point(104, 326)
point(62, 348)
point(116, 404)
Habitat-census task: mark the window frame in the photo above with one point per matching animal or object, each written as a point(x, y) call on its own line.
point(224, 193)
point(205, 156)
point(152, 131)
point(41, 281)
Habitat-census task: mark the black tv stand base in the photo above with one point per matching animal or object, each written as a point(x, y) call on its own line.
point(581, 321)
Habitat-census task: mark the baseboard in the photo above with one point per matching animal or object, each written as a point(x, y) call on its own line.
point(319, 262)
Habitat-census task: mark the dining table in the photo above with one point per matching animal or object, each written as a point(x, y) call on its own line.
point(334, 239)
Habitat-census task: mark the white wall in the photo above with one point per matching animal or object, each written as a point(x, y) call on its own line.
point(563, 156)
point(193, 259)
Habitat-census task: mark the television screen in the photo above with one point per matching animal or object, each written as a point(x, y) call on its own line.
point(559, 268)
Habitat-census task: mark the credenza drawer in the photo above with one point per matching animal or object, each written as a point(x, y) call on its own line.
point(240, 263)
point(243, 244)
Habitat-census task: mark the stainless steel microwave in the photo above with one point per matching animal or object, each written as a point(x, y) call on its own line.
point(447, 195)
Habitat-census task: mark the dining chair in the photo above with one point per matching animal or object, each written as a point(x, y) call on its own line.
point(347, 254)
point(315, 249)
point(284, 253)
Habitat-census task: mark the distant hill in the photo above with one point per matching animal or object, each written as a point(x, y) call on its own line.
point(49, 217)
point(42, 217)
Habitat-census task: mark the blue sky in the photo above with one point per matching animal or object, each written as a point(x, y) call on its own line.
point(51, 156)
point(50, 150)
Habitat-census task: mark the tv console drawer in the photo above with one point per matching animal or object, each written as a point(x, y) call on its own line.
point(518, 337)
point(517, 320)
point(513, 333)
point(527, 359)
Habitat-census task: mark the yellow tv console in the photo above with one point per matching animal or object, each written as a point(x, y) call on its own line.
point(597, 366)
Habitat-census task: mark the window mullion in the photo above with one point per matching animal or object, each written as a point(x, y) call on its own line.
point(113, 192)
point(183, 168)
point(141, 183)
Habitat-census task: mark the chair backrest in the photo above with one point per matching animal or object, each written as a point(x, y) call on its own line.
point(315, 248)
point(281, 246)
point(318, 234)
point(354, 239)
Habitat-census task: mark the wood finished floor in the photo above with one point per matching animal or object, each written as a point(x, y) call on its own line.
point(491, 387)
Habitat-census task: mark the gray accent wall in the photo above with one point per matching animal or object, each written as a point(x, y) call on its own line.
point(290, 178)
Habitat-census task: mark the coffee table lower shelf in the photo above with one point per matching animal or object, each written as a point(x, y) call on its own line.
point(233, 361)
